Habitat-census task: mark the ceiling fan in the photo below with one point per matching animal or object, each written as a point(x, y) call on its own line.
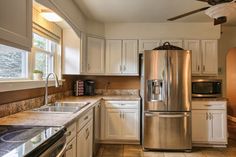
point(215, 4)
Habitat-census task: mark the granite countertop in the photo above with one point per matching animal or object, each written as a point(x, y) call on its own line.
point(60, 119)
point(210, 99)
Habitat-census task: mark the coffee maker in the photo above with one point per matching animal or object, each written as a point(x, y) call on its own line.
point(89, 87)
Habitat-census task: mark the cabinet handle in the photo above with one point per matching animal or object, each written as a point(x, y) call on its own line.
point(88, 66)
point(85, 118)
point(120, 114)
point(87, 132)
point(68, 134)
point(203, 67)
point(207, 105)
point(120, 68)
point(69, 147)
point(124, 68)
point(210, 116)
point(207, 116)
point(123, 115)
point(198, 68)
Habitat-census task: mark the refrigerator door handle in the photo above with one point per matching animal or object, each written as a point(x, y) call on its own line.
point(173, 116)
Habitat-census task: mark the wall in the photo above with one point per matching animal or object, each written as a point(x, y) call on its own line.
point(95, 28)
point(116, 82)
point(162, 31)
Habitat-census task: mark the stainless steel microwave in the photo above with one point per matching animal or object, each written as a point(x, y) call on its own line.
point(206, 88)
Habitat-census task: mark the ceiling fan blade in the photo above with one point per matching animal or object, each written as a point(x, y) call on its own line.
point(203, 0)
point(220, 20)
point(186, 14)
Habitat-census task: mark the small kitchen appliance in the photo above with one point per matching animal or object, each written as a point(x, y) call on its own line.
point(89, 87)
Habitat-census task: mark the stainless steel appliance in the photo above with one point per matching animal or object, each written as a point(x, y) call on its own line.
point(205, 88)
point(28, 141)
point(167, 100)
point(89, 87)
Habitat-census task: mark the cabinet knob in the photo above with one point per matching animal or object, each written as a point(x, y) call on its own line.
point(68, 134)
point(69, 147)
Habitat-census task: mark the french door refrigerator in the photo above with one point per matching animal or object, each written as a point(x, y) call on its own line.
point(167, 100)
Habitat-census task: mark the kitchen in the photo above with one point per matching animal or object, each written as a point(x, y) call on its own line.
point(104, 43)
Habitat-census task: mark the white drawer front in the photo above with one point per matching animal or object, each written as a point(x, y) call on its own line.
point(84, 120)
point(71, 132)
point(216, 105)
point(121, 104)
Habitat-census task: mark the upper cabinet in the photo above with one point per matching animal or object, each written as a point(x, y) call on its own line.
point(148, 45)
point(209, 57)
point(73, 52)
point(204, 56)
point(16, 24)
point(95, 55)
point(122, 57)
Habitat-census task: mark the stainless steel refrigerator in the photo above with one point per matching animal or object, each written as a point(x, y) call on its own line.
point(166, 84)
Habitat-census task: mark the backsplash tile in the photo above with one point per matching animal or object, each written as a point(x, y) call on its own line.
point(117, 91)
point(15, 107)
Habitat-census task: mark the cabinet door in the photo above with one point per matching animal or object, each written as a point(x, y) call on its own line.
point(219, 131)
point(209, 57)
point(16, 22)
point(113, 125)
point(71, 52)
point(82, 144)
point(178, 43)
point(130, 57)
point(113, 56)
point(201, 126)
point(194, 46)
point(95, 55)
point(130, 123)
point(71, 148)
point(148, 45)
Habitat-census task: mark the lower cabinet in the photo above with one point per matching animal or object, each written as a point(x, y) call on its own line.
point(85, 135)
point(71, 148)
point(121, 120)
point(209, 123)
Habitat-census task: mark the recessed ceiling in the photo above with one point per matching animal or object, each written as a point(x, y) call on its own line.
point(142, 10)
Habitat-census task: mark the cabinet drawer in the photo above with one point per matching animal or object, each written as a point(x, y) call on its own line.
point(84, 120)
point(71, 132)
point(121, 104)
point(202, 105)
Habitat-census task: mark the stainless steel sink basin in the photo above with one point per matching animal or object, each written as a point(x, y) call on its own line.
point(62, 107)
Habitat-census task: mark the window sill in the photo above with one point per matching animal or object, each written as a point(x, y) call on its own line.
point(12, 85)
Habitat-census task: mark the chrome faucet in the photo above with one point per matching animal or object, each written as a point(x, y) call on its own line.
point(46, 85)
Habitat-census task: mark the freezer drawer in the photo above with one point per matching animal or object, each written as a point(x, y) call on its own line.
point(166, 130)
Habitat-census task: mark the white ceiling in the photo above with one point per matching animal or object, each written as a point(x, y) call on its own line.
point(143, 10)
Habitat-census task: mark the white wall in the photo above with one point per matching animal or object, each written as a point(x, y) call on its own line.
point(162, 31)
point(95, 28)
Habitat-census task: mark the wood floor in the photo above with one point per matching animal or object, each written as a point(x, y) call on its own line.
point(136, 151)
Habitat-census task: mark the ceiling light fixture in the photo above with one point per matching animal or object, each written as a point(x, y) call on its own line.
point(221, 10)
point(50, 16)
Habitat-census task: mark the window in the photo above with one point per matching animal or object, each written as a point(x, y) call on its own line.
point(14, 63)
point(45, 51)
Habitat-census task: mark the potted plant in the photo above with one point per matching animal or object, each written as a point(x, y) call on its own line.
point(37, 75)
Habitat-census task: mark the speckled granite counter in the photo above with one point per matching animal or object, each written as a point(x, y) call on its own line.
point(59, 119)
point(209, 99)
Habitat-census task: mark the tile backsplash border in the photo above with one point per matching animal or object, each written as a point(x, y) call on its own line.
point(19, 106)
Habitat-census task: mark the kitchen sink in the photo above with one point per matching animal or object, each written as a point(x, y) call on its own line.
point(62, 107)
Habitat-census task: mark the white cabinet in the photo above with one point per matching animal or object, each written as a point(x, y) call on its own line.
point(84, 141)
point(85, 135)
point(71, 141)
point(209, 57)
point(113, 56)
point(71, 148)
point(211, 118)
point(194, 46)
point(121, 57)
point(178, 43)
point(71, 52)
point(16, 23)
point(130, 57)
point(204, 56)
point(95, 55)
point(148, 45)
point(120, 121)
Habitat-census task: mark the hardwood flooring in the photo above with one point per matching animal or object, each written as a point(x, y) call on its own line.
point(136, 151)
